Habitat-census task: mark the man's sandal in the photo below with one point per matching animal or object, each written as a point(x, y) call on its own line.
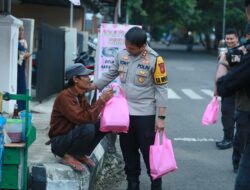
point(86, 160)
point(75, 165)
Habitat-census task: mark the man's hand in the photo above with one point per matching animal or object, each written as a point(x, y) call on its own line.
point(222, 67)
point(91, 87)
point(159, 125)
point(107, 94)
point(26, 56)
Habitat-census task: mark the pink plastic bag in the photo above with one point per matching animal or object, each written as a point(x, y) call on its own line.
point(115, 115)
point(161, 157)
point(210, 115)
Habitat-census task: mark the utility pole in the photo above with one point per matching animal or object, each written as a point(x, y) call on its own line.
point(224, 19)
point(127, 15)
point(71, 14)
point(117, 12)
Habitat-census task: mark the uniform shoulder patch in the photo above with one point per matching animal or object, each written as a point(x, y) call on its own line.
point(160, 73)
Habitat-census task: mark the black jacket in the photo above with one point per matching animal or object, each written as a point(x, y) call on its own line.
point(236, 79)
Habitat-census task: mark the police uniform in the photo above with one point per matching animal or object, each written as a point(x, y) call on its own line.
point(144, 82)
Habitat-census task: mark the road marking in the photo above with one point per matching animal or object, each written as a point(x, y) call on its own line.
point(208, 92)
point(172, 94)
point(185, 139)
point(191, 94)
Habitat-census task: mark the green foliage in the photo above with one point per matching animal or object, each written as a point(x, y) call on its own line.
point(197, 15)
point(135, 5)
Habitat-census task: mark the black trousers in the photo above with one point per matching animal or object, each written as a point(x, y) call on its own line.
point(140, 136)
point(243, 176)
point(81, 140)
point(228, 116)
point(241, 135)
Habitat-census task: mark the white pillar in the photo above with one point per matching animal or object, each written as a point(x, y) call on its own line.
point(84, 44)
point(70, 45)
point(9, 30)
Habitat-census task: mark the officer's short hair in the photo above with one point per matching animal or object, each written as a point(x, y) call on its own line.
point(232, 31)
point(136, 36)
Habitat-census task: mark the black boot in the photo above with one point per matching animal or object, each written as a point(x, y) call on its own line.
point(219, 142)
point(133, 185)
point(156, 184)
point(235, 166)
point(224, 144)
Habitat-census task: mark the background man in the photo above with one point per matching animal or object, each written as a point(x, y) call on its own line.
point(237, 79)
point(242, 124)
point(228, 103)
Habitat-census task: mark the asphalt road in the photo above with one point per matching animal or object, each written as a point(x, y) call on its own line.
point(201, 166)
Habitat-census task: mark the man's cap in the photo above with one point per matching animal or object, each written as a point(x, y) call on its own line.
point(77, 69)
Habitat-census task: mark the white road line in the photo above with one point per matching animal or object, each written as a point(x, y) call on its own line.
point(191, 94)
point(172, 94)
point(208, 92)
point(194, 139)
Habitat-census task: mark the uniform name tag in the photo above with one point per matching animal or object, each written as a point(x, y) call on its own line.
point(124, 62)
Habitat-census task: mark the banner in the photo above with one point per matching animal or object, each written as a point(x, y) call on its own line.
point(75, 2)
point(111, 40)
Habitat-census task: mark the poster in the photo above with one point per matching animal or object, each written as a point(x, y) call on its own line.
point(110, 41)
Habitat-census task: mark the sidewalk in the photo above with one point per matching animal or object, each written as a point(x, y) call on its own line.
point(46, 172)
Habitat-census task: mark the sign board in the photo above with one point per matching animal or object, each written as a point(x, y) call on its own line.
point(111, 40)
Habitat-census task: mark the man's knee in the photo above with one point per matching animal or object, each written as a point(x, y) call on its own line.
point(87, 131)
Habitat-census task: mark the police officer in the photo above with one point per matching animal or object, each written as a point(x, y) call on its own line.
point(143, 79)
point(237, 81)
point(242, 121)
point(228, 103)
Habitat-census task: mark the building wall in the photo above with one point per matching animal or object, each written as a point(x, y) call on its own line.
point(52, 15)
point(55, 16)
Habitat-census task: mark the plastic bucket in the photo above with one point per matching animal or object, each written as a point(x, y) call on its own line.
point(2, 122)
point(23, 116)
point(14, 130)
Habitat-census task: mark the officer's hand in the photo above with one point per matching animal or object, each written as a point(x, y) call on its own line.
point(107, 94)
point(159, 125)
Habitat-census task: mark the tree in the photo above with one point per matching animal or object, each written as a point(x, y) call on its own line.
point(196, 15)
point(163, 13)
point(211, 16)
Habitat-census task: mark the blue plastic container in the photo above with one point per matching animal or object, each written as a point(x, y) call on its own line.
point(23, 116)
point(2, 123)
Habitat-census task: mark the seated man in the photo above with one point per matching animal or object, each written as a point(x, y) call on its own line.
point(74, 126)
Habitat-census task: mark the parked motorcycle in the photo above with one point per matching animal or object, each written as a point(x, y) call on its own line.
point(87, 58)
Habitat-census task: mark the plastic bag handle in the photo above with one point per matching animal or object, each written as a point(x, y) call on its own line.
point(215, 98)
point(157, 138)
point(114, 85)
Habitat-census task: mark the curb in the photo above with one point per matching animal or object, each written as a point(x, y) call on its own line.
point(54, 176)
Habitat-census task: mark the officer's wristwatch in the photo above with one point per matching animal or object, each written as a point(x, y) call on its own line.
point(161, 117)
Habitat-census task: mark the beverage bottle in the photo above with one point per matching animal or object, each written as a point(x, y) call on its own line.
point(15, 112)
point(222, 47)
